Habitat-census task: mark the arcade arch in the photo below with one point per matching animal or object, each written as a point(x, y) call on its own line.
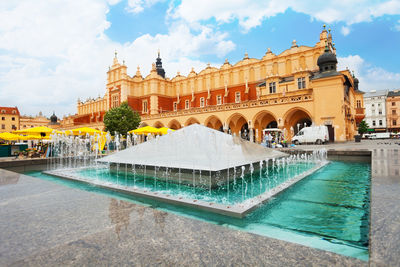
point(174, 125)
point(237, 122)
point(295, 120)
point(263, 119)
point(158, 124)
point(215, 123)
point(143, 124)
point(191, 121)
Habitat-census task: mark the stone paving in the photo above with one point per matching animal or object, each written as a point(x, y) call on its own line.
point(47, 224)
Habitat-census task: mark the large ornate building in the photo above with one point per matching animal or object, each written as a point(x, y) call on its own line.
point(298, 87)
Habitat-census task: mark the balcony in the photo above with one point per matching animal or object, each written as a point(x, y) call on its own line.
point(360, 111)
point(360, 114)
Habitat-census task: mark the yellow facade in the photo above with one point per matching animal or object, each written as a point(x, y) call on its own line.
point(285, 91)
point(30, 122)
point(9, 119)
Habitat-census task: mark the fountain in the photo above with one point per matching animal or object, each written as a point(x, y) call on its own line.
point(195, 166)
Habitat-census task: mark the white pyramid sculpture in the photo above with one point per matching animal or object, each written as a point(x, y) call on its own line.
point(195, 147)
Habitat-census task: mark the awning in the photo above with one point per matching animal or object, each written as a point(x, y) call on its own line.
point(145, 130)
point(84, 131)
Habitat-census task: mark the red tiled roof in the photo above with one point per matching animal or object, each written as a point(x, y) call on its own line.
point(9, 110)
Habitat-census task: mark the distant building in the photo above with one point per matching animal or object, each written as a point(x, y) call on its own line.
point(33, 121)
point(375, 110)
point(296, 88)
point(393, 110)
point(39, 120)
point(9, 119)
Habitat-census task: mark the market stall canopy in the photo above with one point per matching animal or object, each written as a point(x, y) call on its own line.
point(165, 130)
point(11, 137)
point(41, 130)
point(84, 131)
point(35, 137)
point(145, 130)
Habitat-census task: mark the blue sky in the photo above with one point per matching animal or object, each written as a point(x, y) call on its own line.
point(52, 53)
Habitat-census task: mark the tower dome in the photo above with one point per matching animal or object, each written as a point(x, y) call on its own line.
point(356, 82)
point(327, 61)
point(53, 118)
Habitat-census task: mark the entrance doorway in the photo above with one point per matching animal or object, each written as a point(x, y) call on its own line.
point(331, 132)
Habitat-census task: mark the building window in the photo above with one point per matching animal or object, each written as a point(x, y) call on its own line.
point(3, 111)
point(380, 112)
point(272, 88)
point(13, 112)
point(175, 106)
point(373, 105)
point(380, 123)
point(393, 112)
point(358, 103)
point(237, 97)
point(373, 123)
point(14, 127)
point(379, 104)
point(114, 101)
point(301, 83)
point(24, 126)
point(3, 118)
point(219, 100)
point(394, 122)
point(13, 118)
point(144, 106)
point(187, 106)
point(202, 102)
point(393, 104)
point(3, 126)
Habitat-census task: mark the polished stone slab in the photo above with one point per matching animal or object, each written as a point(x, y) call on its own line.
point(385, 208)
point(47, 224)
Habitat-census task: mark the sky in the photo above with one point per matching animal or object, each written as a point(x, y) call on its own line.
point(53, 52)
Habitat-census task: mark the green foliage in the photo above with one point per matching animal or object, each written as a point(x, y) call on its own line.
point(121, 119)
point(363, 127)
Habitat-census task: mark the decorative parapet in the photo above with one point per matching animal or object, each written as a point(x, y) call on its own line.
point(278, 100)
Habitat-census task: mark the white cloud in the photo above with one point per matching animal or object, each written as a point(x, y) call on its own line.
point(397, 26)
point(251, 13)
point(52, 53)
point(345, 30)
point(371, 77)
point(179, 46)
point(137, 6)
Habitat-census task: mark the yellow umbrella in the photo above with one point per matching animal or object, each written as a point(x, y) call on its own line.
point(41, 130)
point(164, 130)
point(11, 137)
point(84, 131)
point(145, 130)
point(35, 137)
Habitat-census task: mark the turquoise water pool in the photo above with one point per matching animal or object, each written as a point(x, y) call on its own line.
point(241, 188)
point(328, 210)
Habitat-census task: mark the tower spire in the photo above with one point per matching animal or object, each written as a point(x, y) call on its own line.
point(115, 61)
point(159, 68)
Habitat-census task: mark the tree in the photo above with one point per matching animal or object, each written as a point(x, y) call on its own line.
point(363, 127)
point(121, 119)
